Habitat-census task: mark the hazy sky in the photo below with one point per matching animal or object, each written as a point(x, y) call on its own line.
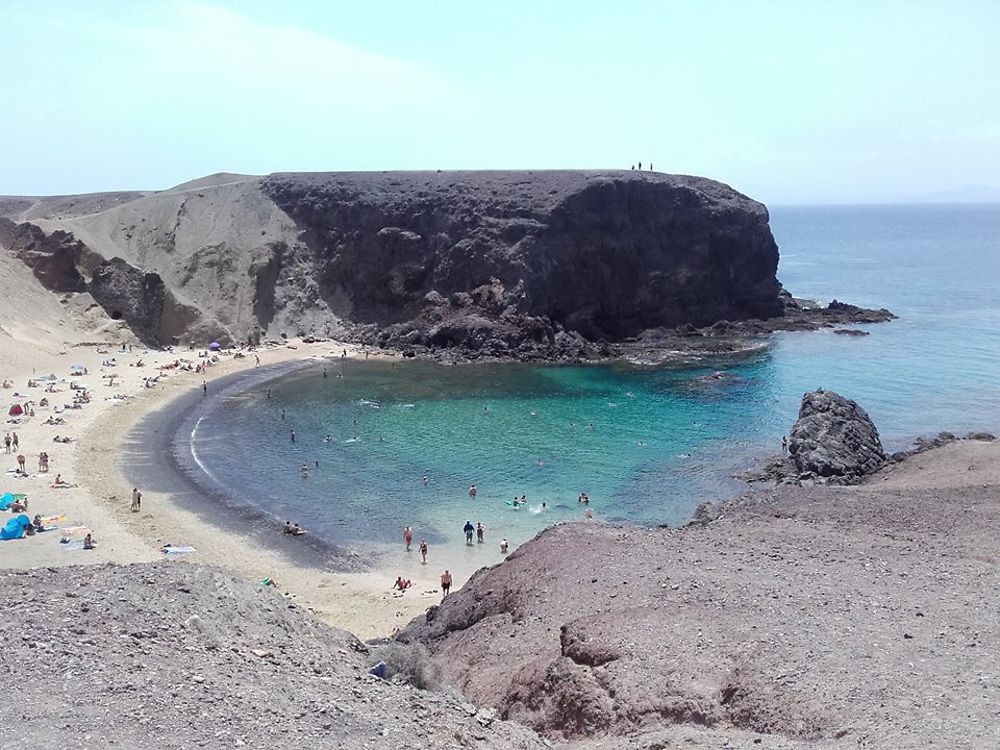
point(791, 102)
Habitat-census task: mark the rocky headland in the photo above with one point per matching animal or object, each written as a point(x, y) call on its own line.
point(457, 265)
point(792, 617)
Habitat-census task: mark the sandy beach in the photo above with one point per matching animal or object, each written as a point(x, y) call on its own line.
point(99, 499)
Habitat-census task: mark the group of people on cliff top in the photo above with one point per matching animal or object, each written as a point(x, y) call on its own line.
point(639, 168)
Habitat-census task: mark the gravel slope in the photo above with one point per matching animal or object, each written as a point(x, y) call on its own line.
point(178, 656)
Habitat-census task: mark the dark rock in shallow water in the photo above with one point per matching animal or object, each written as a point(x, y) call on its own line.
point(985, 437)
point(851, 332)
point(834, 439)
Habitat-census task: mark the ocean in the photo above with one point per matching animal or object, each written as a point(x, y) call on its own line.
point(406, 440)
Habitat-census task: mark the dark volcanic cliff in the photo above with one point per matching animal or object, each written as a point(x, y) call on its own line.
point(604, 254)
point(488, 263)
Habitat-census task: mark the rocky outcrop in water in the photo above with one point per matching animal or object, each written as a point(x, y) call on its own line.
point(559, 264)
point(834, 439)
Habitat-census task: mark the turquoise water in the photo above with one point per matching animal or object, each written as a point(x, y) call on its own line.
point(647, 445)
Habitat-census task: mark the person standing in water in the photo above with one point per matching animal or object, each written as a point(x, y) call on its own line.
point(469, 530)
point(423, 552)
point(445, 583)
point(503, 546)
point(135, 499)
point(292, 434)
point(480, 533)
point(407, 537)
point(204, 387)
point(473, 491)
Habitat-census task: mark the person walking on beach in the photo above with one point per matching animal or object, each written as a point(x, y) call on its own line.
point(6, 443)
point(423, 552)
point(135, 500)
point(445, 583)
point(469, 530)
point(20, 463)
point(407, 537)
point(14, 441)
point(43, 462)
point(257, 360)
point(480, 533)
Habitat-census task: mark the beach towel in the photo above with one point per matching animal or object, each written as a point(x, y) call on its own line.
point(177, 550)
point(77, 544)
point(63, 486)
point(69, 531)
point(47, 520)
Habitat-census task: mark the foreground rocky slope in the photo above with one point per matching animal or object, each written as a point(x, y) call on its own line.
point(174, 655)
point(820, 617)
point(488, 263)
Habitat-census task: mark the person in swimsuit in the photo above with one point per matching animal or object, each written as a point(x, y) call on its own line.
point(445, 584)
point(423, 552)
point(480, 533)
point(407, 536)
point(503, 546)
point(472, 492)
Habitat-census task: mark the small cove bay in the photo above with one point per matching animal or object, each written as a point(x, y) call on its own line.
point(647, 445)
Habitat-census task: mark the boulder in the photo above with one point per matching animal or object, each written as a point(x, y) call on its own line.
point(834, 439)
point(985, 437)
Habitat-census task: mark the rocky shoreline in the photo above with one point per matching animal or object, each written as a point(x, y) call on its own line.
point(652, 346)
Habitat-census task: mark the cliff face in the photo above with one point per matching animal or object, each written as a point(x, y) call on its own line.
point(489, 261)
point(454, 257)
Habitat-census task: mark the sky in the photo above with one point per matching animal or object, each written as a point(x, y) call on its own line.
point(790, 102)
